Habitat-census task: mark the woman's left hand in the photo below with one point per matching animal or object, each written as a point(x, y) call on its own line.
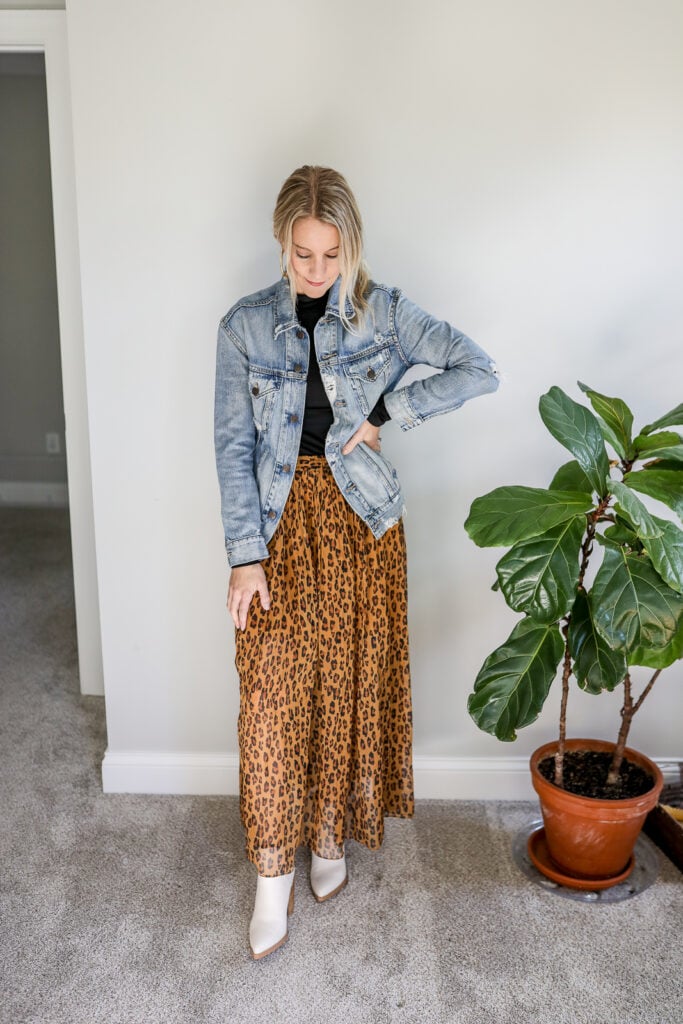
point(367, 433)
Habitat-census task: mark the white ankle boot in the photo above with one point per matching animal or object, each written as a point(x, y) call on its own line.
point(328, 877)
point(274, 902)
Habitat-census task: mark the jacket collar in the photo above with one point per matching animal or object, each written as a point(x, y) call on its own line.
point(333, 300)
point(285, 315)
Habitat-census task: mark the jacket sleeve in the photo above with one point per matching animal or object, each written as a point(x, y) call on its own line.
point(234, 440)
point(467, 371)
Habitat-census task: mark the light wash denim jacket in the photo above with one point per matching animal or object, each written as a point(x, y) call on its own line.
point(261, 369)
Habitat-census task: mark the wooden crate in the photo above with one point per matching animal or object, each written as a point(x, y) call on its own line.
point(661, 827)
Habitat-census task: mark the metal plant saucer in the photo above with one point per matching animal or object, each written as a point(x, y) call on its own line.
point(640, 878)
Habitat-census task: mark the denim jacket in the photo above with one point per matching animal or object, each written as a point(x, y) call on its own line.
point(260, 392)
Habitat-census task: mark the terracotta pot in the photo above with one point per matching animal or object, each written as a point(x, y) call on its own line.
point(589, 838)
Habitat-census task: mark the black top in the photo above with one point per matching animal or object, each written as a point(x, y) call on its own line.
point(318, 412)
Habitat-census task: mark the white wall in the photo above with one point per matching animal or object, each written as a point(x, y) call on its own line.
point(518, 166)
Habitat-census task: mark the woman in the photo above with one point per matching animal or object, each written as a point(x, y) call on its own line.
point(307, 372)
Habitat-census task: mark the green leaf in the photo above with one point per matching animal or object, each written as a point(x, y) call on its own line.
point(514, 681)
point(611, 438)
point(615, 416)
point(672, 467)
point(577, 429)
point(672, 455)
point(539, 576)
point(621, 533)
point(646, 443)
point(570, 477)
point(662, 540)
point(606, 540)
point(596, 666)
point(510, 514)
point(666, 444)
point(666, 553)
point(670, 419)
point(633, 510)
point(664, 484)
point(632, 606)
point(663, 656)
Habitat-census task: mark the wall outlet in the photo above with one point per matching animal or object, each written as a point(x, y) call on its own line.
point(52, 446)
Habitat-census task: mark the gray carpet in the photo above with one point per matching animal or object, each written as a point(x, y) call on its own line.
point(123, 908)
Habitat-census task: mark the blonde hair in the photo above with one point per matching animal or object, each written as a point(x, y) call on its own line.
point(323, 193)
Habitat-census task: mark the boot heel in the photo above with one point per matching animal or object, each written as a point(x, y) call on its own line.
point(324, 874)
point(268, 928)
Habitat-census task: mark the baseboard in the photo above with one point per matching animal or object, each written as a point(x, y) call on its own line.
point(143, 771)
point(26, 494)
point(472, 778)
point(217, 774)
point(454, 778)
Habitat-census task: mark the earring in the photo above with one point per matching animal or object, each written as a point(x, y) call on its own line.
point(283, 269)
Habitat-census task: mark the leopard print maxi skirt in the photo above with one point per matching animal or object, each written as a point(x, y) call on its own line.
point(325, 722)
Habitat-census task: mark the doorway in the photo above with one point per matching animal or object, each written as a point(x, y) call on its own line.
point(54, 417)
point(32, 459)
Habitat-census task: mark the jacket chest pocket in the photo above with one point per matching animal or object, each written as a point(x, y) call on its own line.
point(263, 390)
point(368, 375)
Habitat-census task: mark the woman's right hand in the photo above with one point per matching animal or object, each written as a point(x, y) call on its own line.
point(245, 581)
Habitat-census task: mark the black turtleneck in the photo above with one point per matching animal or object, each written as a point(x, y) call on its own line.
point(318, 412)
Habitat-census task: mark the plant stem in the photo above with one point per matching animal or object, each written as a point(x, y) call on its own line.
point(562, 739)
point(586, 549)
point(646, 691)
point(627, 712)
point(596, 516)
point(626, 719)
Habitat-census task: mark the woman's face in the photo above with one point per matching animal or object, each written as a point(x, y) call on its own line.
point(314, 259)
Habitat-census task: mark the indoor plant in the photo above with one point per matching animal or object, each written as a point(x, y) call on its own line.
point(631, 615)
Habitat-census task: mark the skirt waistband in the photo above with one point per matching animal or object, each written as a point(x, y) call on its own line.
point(311, 462)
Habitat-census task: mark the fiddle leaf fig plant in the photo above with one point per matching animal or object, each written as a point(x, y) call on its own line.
point(633, 612)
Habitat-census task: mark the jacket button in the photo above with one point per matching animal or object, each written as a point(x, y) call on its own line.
point(255, 389)
point(298, 367)
point(300, 333)
point(272, 514)
point(371, 374)
point(286, 468)
point(293, 418)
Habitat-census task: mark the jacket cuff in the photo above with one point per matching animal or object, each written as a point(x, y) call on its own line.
point(246, 549)
point(399, 408)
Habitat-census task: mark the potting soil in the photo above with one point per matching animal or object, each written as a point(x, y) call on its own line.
point(585, 773)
